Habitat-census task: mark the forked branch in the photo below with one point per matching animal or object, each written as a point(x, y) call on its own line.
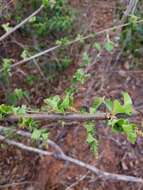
point(101, 174)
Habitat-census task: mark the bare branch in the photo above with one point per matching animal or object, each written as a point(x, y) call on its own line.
point(92, 35)
point(70, 43)
point(34, 56)
point(24, 147)
point(21, 23)
point(27, 134)
point(63, 117)
point(98, 172)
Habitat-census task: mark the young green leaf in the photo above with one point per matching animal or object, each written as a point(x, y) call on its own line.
point(6, 27)
point(97, 46)
point(109, 104)
point(90, 139)
point(109, 46)
point(67, 102)
point(86, 58)
point(36, 134)
point(126, 108)
point(127, 103)
point(130, 131)
point(53, 103)
point(45, 2)
point(97, 102)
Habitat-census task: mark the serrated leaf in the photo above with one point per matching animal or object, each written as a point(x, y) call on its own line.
point(90, 139)
point(36, 134)
point(20, 110)
point(45, 136)
point(90, 127)
point(53, 103)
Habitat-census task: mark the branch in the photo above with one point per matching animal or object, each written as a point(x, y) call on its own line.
point(34, 56)
point(27, 134)
point(131, 7)
point(17, 184)
point(92, 35)
point(98, 172)
point(63, 117)
point(21, 23)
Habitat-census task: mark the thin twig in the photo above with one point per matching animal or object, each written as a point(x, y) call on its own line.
point(98, 172)
point(77, 182)
point(70, 43)
point(17, 184)
point(21, 23)
point(27, 134)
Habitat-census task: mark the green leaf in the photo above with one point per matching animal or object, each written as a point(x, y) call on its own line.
point(129, 130)
point(80, 38)
point(117, 107)
point(6, 66)
point(117, 124)
point(20, 110)
point(109, 46)
point(67, 102)
point(45, 136)
point(127, 103)
point(5, 110)
point(109, 104)
point(132, 137)
point(36, 134)
point(6, 27)
point(90, 139)
point(53, 103)
point(126, 108)
point(90, 127)
point(28, 123)
point(86, 58)
point(94, 146)
point(97, 102)
point(97, 46)
point(32, 19)
point(25, 54)
point(45, 2)
point(79, 76)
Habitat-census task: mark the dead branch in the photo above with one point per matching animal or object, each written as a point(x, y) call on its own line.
point(21, 23)
point(101, 174)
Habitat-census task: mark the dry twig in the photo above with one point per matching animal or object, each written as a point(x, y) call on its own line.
point(98, 172)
